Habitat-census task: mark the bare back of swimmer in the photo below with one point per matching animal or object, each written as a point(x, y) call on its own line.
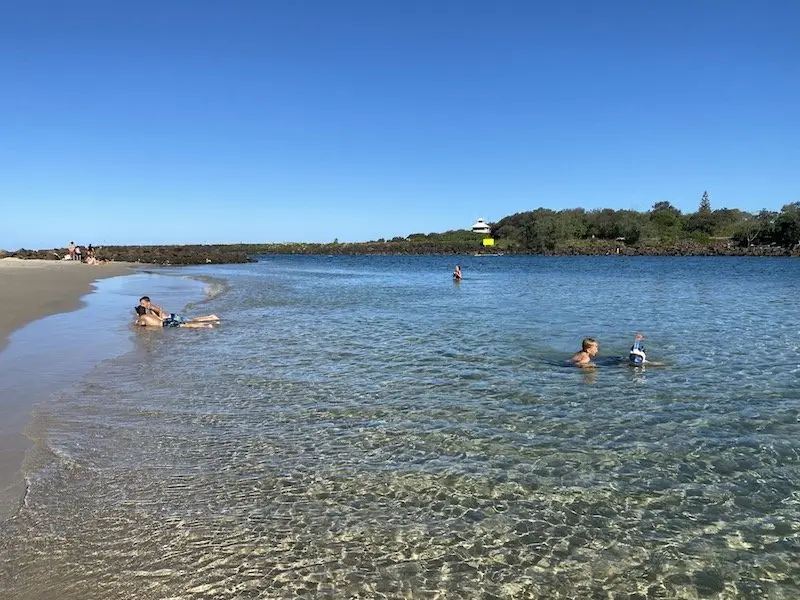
point(147, 320)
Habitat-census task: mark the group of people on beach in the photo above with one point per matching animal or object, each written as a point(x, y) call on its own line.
point(74, 253)
point(590, 346)
point(152, 315)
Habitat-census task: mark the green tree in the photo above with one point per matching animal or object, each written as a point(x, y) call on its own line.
point(602, 224)
point(511, 227)
point(541, 230)
point(702, 222)
point(630, 225)
point(549, 231)
point(787, 226)
point(767, 220)
point(666, 220)
point(756, 229)
point(747, 232)
point(608, 224)
point(544, 229)
point(705, 204)
point(727, 220)
point(574, 223)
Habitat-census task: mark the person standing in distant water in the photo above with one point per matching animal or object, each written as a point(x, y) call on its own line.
point(583, 357)
point(71, 249)
point(457, 273)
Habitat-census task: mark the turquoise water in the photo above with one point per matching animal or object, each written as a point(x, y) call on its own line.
point(365, 428)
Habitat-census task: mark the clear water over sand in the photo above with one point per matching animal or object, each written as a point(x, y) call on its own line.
point(363, 427)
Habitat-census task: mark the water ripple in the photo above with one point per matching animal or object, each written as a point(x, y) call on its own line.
point(354, 435)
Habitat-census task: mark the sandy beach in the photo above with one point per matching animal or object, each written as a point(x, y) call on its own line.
point(32, 289)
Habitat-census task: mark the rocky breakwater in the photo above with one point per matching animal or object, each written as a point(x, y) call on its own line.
point(157, 255)
point(680, 248)
point(241, 253)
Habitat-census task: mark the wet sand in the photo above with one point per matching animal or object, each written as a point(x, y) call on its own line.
point(32, 289)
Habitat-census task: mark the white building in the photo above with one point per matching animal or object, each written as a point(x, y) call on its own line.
point(481, 226)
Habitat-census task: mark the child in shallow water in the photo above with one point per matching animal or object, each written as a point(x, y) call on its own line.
point(583, 357)
point(637, 356)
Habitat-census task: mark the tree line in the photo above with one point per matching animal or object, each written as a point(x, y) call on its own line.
point(544, 229)
point(661, 230)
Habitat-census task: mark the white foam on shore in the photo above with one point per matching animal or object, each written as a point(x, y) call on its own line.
point(213, 288)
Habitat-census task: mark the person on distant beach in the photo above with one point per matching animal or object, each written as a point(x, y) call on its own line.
point(89, 252)
point(78, 254)
point(583, 357)
point(159, 312)
point(71, 249)
point(457, 273)
point(148, 320)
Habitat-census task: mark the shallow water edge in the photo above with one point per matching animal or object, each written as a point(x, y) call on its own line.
point(55, 352)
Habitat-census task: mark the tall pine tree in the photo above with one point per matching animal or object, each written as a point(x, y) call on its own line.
point(705, 204)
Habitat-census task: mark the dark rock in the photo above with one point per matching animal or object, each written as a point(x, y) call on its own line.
point(242, 253)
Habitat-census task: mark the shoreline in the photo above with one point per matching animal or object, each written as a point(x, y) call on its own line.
point(33, 289)
point(52, 351)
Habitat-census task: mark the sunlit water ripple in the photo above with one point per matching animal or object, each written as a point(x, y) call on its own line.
point(364, 428)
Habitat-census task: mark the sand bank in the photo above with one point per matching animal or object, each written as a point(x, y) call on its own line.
point(52, 353)
point(32, 289)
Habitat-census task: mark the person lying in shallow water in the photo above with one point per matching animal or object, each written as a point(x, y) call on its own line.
point(147, 320)
point(152, 309)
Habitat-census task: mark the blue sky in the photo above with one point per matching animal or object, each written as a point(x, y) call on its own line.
point(196, 121)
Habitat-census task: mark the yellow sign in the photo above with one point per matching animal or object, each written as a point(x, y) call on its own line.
point(488, 241)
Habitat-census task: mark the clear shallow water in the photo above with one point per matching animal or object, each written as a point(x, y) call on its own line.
point(363, 427)
point(60, 349)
